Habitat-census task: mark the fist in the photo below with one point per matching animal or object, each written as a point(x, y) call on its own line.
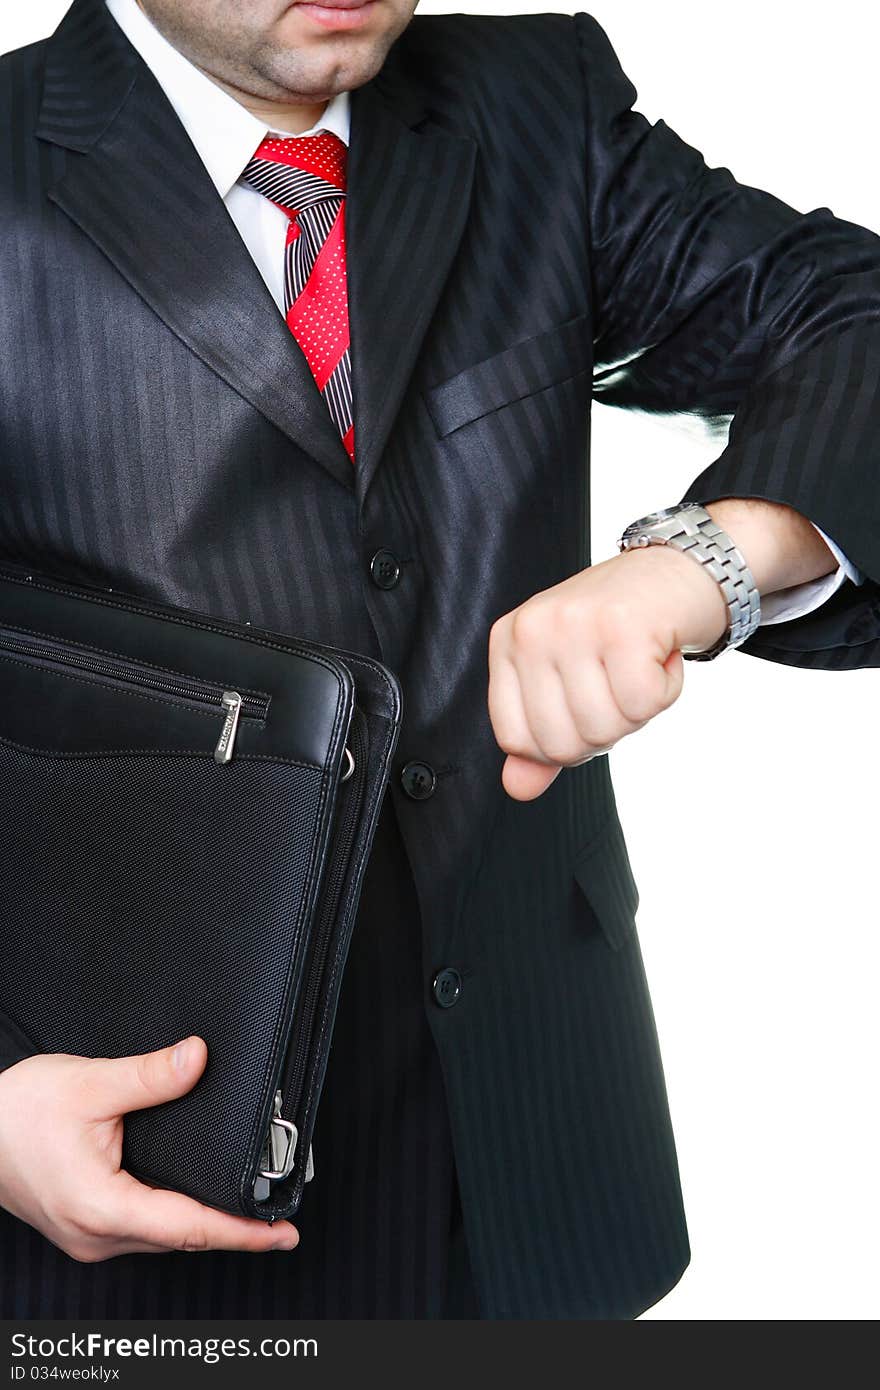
point(577, 667)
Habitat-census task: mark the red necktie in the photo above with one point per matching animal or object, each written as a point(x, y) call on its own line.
point(305, 176)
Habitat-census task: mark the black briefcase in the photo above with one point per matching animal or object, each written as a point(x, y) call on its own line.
point(187, 807)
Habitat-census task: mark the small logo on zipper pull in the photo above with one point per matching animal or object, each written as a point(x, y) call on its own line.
point(231, 702)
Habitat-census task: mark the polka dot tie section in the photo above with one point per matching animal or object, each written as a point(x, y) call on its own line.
point(306, 177)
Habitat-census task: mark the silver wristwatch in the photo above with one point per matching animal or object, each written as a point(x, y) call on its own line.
point(690, 528)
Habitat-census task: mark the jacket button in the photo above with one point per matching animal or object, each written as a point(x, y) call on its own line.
point(447, 988)
point(418, 780)
point(384, 569)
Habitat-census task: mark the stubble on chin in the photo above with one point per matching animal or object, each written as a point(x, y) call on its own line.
point(289, 62)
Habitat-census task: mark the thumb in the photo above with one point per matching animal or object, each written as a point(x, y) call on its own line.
point(119, 1084)
point(673, 668)
point(524, 779)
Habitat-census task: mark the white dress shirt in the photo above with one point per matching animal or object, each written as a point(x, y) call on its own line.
point(225, 135)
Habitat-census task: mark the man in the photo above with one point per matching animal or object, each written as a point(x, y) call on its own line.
point(342, 389)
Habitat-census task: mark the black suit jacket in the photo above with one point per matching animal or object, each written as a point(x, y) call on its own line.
point(519, 239)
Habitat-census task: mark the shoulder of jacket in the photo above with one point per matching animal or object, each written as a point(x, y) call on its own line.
point(464, 40)
point(23, 61)
point(490, 52)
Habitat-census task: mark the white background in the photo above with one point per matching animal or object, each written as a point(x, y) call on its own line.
point(758, 916)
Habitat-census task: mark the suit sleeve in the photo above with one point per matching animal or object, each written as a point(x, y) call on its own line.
point(14, 1044)
point(717, 300)
point(784, 604)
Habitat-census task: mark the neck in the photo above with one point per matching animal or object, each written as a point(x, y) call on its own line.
point(287, 114)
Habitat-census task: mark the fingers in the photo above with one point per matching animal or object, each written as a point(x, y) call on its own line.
point(528, 703)
point(527, 772)
point(643, 684)
point(136, 1218)
point(116, 1085)
point(563, 689)
point(547, 738)
point(548, 706)
point(171, 1221)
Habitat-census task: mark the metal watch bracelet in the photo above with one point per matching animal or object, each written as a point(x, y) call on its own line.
point(690, 528)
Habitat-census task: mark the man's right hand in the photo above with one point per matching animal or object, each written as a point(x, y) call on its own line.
point(61, 1123)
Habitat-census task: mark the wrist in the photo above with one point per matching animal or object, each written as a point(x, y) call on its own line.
point(696, 612)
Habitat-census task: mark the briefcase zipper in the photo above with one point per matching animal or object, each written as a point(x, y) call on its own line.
point(346, 824)
point(279, 1153)
point(347, 810)
point(231, 704)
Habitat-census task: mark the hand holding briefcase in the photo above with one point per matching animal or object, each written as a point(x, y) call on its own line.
point(187, 808)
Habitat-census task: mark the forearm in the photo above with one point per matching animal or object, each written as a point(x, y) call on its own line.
point(781, 546)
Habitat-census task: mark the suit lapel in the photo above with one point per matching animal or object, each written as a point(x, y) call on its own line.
point(408, 198)
point(141, 192)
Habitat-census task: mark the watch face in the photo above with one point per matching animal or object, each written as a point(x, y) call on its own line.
point(641, 522)
point(653, 519)
point(662, 515)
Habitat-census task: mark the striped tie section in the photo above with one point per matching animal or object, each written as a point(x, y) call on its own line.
point(305, 176)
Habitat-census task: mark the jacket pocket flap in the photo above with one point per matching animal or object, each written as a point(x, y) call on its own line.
point(603, 873)
point(527, 366)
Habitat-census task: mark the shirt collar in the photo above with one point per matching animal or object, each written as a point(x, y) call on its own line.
point(224, 132)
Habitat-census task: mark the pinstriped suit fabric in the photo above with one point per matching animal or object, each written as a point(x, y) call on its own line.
point(512, 225)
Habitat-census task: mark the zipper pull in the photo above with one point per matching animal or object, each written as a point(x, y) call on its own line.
point(278, 1153)
point(276, 1157)
point(231, 703)
point(282, 1139)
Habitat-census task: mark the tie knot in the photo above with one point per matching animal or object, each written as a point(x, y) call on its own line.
point(296, 170)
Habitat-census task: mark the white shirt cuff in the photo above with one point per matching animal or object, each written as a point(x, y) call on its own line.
point(799, 599)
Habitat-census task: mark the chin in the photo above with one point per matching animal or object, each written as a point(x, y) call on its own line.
point(346, 67)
